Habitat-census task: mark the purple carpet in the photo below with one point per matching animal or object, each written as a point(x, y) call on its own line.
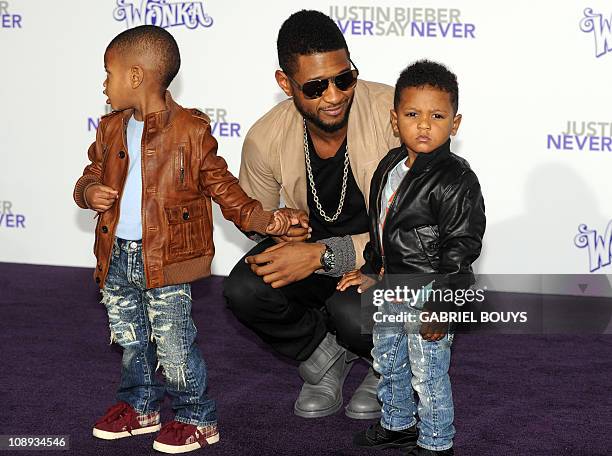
point(514, 395)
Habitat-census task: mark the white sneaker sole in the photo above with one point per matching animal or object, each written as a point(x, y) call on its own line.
point(106, 435)
point(173, 449)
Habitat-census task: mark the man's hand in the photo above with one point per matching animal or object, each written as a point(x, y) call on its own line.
point(432, 331)
point(355, 277)
point(297, 216)
point(100, 198)
point(299, 230)
point(287, 262)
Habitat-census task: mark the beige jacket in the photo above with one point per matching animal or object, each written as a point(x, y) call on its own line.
point(273, 165)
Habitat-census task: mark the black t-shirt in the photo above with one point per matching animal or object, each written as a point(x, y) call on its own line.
point(327, 174)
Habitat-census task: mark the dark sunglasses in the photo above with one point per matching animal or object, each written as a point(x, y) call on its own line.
point(316, 87)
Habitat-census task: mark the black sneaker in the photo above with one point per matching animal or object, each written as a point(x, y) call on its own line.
point(377, 437)
point(419, 451)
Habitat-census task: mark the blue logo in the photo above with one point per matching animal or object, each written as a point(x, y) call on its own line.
point(163, 13)
point(8, 20)
point(582, 135)
point(601, 28)
point(220, 124)
point(414, 22)
point(597, 246)
point(92, 123)
point(8, 219)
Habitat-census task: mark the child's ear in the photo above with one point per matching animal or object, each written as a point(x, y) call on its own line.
point(136, 76)
point(283, 82)
point(456, 123)
point(394, 122)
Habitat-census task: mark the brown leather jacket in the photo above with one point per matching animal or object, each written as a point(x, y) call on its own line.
point(180, 173)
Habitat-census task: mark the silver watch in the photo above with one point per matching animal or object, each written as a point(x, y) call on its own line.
point(328, 259)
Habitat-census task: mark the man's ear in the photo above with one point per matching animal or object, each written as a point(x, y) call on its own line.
point(136, 76)
point(394, 122)
point(284, 83)
point(456, 123)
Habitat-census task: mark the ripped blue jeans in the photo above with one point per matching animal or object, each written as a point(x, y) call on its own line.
point(408, 364)
point(155, 328)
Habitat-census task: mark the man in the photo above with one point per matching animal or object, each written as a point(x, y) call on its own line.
point(316, 151)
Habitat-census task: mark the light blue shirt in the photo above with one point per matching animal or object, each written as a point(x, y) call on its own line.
point(396, 175)
point(130, 218)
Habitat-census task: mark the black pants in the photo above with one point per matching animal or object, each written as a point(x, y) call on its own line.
point(294, 319)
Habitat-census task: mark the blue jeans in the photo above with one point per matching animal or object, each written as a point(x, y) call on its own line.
point(155, 328)
point(405, 362)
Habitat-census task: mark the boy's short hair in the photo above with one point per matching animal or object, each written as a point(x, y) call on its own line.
point(155, 42)
point(426, 72)
point(307, 32)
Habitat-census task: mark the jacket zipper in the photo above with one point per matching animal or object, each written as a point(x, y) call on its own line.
point(182, 164)
point(378, 207)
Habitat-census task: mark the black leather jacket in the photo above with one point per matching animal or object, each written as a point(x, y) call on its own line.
point(435, 223)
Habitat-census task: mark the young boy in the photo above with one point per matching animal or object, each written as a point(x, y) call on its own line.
point(153, 172)
point(427, 217)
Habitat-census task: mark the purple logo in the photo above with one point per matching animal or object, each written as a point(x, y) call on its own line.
point(601, 28)
point(222, 125)
point(8, 20)
point(8, 219)
point(598, 246)
point(582, 135)
point(163, 13)
point(413, 22)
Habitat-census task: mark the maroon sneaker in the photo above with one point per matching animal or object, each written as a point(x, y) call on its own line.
point(121, 420)
point(176, 437)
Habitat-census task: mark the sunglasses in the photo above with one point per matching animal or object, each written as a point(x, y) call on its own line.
point(316, 87)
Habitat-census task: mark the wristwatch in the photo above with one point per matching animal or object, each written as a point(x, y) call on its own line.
point(328, 259)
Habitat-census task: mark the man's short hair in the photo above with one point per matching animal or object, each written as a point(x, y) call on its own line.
point(426, 72)
point(155, 42)
point(307, 32)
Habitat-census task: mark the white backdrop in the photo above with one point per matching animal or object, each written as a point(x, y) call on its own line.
point(526, 71)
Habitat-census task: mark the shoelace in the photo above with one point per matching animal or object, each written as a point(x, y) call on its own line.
point(173, 427)
point(118, 411)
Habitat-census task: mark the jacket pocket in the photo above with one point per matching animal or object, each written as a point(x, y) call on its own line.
point(429, 242)
point(189, 231)
point(181, 167)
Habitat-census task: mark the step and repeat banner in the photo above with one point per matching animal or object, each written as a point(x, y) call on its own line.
point(535, 96)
